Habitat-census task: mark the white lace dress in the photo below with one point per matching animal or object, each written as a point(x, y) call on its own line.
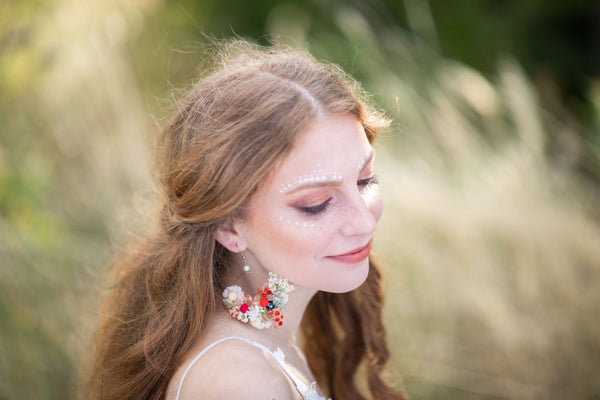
point(308, 392)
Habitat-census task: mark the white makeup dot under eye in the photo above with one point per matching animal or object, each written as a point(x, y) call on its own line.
point(299, 224)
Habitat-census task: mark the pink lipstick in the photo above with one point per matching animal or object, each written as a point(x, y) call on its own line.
point(354, 256)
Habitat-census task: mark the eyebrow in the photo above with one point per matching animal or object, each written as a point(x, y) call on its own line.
point(309, 185)
point(329, 182)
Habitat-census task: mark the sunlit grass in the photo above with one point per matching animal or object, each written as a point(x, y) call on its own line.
point(493, 259)
point(491, 245)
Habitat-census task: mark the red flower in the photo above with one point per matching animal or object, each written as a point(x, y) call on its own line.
point(264, 302)
point(244, 308)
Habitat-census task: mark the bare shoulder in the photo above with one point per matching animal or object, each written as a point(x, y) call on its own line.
point(232, 369)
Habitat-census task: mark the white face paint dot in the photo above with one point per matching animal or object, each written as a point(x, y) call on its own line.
point(302, 224)
point(364, 160)
point(317, 175)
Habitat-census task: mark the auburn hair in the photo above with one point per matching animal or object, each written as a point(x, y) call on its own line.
point(227, 136)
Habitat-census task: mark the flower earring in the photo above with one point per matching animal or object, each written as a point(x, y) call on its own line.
point(264, 310)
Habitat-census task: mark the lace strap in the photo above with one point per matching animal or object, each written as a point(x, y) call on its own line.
point(277, 355)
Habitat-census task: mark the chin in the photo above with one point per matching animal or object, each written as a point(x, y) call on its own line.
point(352, 279)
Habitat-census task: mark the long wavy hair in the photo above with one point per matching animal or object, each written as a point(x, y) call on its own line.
point(227, 136)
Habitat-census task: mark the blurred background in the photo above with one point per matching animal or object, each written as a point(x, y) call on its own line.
point(491, 175)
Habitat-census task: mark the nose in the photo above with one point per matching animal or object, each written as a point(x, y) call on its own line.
point(359, 217)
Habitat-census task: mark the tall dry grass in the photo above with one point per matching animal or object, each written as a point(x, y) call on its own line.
point(74, 148)
point(490, 234)
point(493, 250)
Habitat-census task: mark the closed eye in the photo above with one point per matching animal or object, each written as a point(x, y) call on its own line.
point(364, 183)
point(312, 210)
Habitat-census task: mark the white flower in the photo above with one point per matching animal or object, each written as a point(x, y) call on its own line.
point(279, 284)
point(254, 312)
point(243, 317)
point(256, 317)
point(257, 323)
point(284, 299)
point(231, 294)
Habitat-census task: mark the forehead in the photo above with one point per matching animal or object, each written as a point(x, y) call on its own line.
point(331, 142)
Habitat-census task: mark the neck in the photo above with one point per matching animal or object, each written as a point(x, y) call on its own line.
point(293, 312)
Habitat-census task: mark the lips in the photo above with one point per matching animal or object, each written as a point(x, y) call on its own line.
point(354, 256)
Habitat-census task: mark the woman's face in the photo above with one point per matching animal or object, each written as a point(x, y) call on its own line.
point(313, 221)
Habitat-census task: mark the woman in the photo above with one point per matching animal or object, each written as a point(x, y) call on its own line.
point(258, 281)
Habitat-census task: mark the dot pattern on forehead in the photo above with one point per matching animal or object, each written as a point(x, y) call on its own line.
point(317, 175)
point(363, 161)
point(299, 224)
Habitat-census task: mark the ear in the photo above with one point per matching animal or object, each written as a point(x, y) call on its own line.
point(229, 237)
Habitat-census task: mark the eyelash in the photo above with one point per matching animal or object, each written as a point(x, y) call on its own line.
point(314, 210)
point(364, 183)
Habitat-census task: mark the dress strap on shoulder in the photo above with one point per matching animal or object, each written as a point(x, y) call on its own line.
point(277, 355)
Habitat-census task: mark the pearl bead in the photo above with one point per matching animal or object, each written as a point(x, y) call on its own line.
point(246, 268)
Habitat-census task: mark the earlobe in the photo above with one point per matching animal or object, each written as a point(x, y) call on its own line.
point(230, 238)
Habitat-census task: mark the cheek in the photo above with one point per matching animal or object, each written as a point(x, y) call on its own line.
point(294, 252)
point(292, 235)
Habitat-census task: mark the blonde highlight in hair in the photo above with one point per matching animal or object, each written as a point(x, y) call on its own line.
point(233, 129)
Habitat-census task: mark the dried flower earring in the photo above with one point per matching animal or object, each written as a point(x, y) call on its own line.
point(264, 310)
